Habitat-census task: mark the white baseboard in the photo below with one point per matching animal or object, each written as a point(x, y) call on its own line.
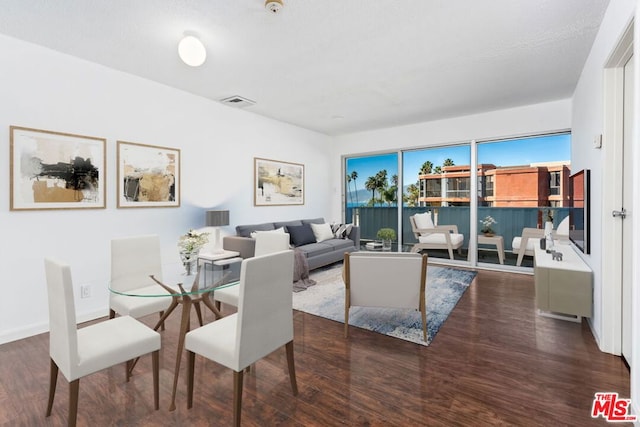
point(31, 330)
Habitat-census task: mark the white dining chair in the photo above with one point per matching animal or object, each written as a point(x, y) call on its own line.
point(262, 324)
point(266, 243)
point(80, 352)
point(133, 261)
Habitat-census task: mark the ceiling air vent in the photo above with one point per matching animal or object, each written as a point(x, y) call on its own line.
point(237, 101)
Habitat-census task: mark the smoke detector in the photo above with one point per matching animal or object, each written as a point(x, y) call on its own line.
point(273, 6)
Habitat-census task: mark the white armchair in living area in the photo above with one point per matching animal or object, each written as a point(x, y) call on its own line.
point(432, 236)
point(526, 243)
point(385, 279)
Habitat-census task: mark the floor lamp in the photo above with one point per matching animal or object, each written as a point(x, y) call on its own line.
point(217, 219)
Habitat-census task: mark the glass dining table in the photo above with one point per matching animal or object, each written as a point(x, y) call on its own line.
point(188, 291)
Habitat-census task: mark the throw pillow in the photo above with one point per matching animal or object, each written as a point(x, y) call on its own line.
point(277, 230)
point(301, 234)
point(322, 232)
point(423, 220)
point(341, 231)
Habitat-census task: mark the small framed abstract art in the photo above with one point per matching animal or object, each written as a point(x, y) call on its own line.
point(148, 176)
point(278, 183)
point(55, 170)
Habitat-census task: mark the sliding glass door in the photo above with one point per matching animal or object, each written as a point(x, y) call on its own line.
point(371, 197)
point(437, 182)
point(521, 183)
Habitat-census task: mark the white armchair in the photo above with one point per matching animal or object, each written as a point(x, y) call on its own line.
point(392, 279)
point(432, 236)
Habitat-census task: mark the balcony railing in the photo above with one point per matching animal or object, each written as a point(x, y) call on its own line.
point(510, 220)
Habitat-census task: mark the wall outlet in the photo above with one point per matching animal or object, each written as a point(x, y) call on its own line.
point(85, 291)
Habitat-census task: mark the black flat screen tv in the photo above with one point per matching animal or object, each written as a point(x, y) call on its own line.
point(580, 213)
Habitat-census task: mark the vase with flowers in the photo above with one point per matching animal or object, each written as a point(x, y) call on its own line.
point(487, 226)
point(190, 245)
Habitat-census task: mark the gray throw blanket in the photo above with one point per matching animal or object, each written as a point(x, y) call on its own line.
point(301, 279)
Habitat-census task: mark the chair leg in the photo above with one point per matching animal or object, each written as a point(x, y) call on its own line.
point(74, 389)
point(423, 310)
point(450, 252)
point(347, 304)
point(292, 368)
point(53, 379)
point(155, 361)
point(191, 360)
point(237, 397)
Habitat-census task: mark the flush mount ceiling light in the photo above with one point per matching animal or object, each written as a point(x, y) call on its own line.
point(192, 51)
point(273, 6)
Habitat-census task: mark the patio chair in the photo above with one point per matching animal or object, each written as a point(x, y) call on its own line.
point(432, 236)
point(530, 237)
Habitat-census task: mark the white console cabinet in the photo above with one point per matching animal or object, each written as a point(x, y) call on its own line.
point(564, 289)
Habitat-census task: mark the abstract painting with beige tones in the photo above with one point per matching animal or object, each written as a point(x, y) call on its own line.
point(278, 183)
point(54, 170)
point(148, 175)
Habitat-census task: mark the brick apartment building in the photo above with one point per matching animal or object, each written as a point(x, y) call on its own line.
point(537, 184)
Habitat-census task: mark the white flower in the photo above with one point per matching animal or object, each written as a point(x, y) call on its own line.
point(192, 241)
point(487, 222)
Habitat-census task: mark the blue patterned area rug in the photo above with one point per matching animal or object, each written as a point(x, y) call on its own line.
point(445, 287)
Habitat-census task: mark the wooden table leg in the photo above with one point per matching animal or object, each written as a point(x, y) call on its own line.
point(184, 328)
point(206, 300)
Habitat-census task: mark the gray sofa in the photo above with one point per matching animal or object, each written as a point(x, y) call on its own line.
point(318, 254)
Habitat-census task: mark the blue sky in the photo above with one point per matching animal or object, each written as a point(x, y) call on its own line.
point(504, 153)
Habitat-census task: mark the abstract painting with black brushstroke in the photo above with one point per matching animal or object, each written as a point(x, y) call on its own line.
point(54, 170)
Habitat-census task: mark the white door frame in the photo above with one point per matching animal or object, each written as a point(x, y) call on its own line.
point(613, 138)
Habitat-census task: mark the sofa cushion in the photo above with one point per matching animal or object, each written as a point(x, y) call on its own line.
point(301, 234)
point(423, 221)
point(322, 231)
point(338, 244)
point(313, 221)
point(341, 231)
point(315, 249)
point(287, 223)
point(246, 230)
point(277, 230)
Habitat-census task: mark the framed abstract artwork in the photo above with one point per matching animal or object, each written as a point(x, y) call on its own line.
point(55, 170)
point(148, 176)
point(277, 183)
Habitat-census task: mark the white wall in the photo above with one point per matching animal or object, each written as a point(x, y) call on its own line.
point(44, 89)
point(550, 116)
point(588, 121)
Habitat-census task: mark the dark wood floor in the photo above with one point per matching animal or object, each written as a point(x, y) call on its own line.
point(493, 363)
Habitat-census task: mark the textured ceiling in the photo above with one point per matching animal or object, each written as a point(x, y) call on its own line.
point(334, 66)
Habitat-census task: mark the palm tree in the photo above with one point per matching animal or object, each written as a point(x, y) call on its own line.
point(447, 162)
point(413, 192)
point(381, 183)
point(437, 170)
point(371, 185)
point(426, 168)
point(348, 177)
point(354, 176)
